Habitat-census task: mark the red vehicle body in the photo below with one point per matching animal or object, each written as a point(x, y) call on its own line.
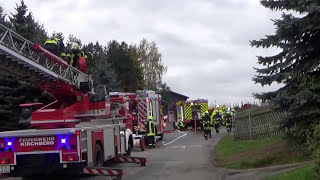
point(138, 106)
point(79, 131)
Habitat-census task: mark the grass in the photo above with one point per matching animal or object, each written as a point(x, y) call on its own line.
point(258, 153)
point(227, 146)
point(274, 158)
point(244, 163)
point(304, 172)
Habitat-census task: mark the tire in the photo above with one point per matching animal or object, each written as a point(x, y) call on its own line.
point(98, 156)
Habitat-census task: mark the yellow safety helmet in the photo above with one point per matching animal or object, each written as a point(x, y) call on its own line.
point(207, 112)
point(150, 118)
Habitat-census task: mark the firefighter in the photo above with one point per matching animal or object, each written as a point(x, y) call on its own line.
point(151, 132)
point(56, 46)
point(75, 54)
point(233, 112)
point(228, 119)
point(181, 126)
point(216, 117)
point(206, 125)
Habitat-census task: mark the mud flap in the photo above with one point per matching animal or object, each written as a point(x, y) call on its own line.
point(128, 159)
point(103, 171)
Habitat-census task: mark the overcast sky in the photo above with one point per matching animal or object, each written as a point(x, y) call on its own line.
point(204, 43)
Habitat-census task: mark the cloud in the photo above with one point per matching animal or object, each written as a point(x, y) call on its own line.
point(204, 43)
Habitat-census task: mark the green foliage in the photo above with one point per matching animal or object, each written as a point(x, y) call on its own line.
point(128, 73)
point(246, 154)
point(244, 163)
point(14, 91)
point(99, 66)
point(227, 146)
point(304, 172)
point(296, 66)
point(150, 60)
point(23, 23)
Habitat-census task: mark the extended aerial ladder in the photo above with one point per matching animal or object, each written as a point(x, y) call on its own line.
point(76, 101)
point(66, 84)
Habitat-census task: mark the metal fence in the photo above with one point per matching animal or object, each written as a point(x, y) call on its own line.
point(257, 123)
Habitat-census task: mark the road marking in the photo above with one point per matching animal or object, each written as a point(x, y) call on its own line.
point(178, 147)
point(184, 134)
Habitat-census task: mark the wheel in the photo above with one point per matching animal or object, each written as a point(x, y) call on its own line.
point(98, 156)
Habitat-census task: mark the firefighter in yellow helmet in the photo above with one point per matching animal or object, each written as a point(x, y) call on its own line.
point(151, 132)
point(75, 55)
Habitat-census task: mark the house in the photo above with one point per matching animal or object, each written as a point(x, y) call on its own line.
point(172, 111)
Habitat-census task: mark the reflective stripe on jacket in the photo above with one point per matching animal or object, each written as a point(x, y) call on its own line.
point(151, 129)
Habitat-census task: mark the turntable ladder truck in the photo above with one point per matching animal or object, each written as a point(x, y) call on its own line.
point(75, 134)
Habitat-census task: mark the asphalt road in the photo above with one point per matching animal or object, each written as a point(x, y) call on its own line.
point(181, 155)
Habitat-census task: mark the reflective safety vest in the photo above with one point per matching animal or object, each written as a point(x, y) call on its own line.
point(181, 124)
point(206, 125)
point(213, 114)
point(151, 129)
point(71, 56)
point(55, 41)
point(52, 41)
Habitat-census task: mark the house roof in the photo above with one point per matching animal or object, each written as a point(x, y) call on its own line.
point(177, 94)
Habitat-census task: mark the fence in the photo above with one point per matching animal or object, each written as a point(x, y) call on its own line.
point(257, 123)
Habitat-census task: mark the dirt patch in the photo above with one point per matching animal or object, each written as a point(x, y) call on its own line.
point(253, 154)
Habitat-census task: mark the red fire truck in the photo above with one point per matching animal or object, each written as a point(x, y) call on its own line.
point(150, 104)
point(77, 133)
point(138, 106)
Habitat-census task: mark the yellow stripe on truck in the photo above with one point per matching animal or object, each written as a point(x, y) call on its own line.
point(187, 112)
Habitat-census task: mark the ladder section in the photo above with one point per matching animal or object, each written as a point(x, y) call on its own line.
point(29, 61)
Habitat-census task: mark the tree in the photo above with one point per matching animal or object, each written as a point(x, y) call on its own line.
point(23, 23)
point(296, 66)
point(99, 67)
point(150, 60)
point(3, 16)
point(14, 91)
point(164, 91)
point(128, 73)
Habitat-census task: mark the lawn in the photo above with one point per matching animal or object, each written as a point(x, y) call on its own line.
point(253, 154)
point(301, 173)
point(228, 146)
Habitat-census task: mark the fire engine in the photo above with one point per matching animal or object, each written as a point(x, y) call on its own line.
point(191, 112)
point(77, 133)
point(139, 106)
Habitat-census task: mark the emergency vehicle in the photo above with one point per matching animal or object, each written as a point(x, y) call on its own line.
point(139, 106)
point(77, 133)
point(191, 112)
